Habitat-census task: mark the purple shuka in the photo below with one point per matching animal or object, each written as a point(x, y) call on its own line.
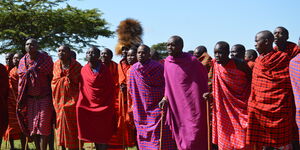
point(186, 82)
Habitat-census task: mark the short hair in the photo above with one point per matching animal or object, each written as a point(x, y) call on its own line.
point(284, 30)
point(266, 34)
point(147, 48)
point(223, 45)
point(109, 52)
point(252, 52)
point(96, 49)
point(240, 47)
point(201, 48)
point(19, 53)
point(66, 47)
point(178, 39)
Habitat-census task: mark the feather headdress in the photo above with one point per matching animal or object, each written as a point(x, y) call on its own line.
point(130, 33)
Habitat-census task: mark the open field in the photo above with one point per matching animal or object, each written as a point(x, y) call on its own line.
point(5, 146)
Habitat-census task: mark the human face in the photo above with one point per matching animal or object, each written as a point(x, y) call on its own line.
point(260, 43)
point(236, 53)
point(31, 46)
point(221, 55)
point(124, 51)
point(9, 59)
point(174, 47)
point(280, 36)
point(63, 53)
point(92, 55)
point(16, 59)
point(131, 57)
point(197, 53)
point(142, 54)
point(105, 56)
point(248, 56)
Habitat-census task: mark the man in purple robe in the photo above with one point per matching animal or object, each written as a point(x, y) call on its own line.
point(185, 83)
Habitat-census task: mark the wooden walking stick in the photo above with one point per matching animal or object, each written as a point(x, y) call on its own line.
point(208, 122)
point(161, 126)
point(26, 143)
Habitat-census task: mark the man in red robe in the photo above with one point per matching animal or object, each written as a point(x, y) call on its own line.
point(95, 102)
point(238, 51)
point(65, 91)
point(13, 131)
point(34, 105)
point(271, 111)
point(9, 61)
point(231, 89)
point(281, 36)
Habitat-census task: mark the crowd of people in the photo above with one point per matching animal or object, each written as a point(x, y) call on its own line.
point(187, 101)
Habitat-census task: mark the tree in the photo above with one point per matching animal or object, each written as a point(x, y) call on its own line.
point(50, 25)
point(161, 48)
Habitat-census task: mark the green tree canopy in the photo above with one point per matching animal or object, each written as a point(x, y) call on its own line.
point(50, 25)
point(161, 48)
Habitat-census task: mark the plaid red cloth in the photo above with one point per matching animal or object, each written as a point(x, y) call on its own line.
point(231, 90)
point(35, 77)
point(13, 131)
point(271, 110)
point(292, 49)
point(65, 91)
point(295, 79)
point(146, 87)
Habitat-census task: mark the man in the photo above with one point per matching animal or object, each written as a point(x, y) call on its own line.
point(65, 91)
point(3, 100)
point(238, 51)
point(294, 69)
point(13, 131)
point(9, 61)
point(186, 81)
point(231, 89)
point(34, 105)
point(250, 58)
point(95, 102)
point(146, 87)
point(106, 58)
point(271, 118)
point(200, 52)
point(118, 140)
point(281, 36)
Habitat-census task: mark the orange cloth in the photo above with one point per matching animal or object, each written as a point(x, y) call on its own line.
point(206, 61)
point(251, 64)
point(125, 132)
point(13, 131)
point(65, 91)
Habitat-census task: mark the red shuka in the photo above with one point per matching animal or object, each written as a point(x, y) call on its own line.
point(271, 112)
point(94, 109)
point(65, 91)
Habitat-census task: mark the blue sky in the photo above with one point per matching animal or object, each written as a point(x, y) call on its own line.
point(198, 22)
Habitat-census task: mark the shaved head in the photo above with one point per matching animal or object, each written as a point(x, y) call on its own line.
point(178, 40)
point(199, 51)
point(266, 34)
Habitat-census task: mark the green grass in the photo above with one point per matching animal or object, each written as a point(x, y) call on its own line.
point(88, 146)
